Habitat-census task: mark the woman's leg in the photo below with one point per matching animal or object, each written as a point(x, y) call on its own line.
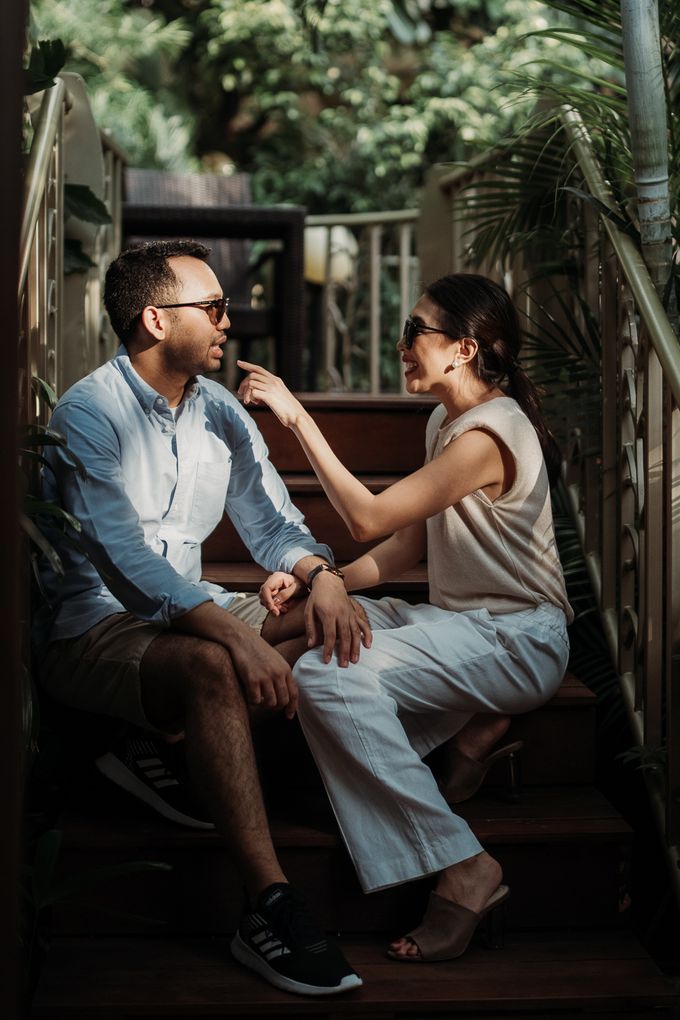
point(481, 734)
point(430, 675)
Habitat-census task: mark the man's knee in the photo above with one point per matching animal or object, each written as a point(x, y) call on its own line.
point(194, 668)
point(211, 675)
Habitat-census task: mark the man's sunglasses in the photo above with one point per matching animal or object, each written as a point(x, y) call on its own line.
point(412, 329)
point(215, 310)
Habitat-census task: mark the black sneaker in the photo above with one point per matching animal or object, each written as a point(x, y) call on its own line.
point(154, 772)
point(282, 943)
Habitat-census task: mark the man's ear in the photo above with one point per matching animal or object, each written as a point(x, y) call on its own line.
point(154, 322)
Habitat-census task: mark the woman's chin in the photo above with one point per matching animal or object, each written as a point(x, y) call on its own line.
point(413, 384)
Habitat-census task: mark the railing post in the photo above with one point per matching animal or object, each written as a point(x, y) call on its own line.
point(375, 236)
point(328, 323)
point(610, 521)
point(653, 579)
point(405, 242)
point(672, 618)
point(111, 235)
point(628, 492)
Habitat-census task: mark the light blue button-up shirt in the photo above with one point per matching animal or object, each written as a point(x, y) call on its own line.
point(157, 484)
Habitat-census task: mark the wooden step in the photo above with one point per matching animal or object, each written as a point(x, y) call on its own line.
point(369, 434)
point(247, 576)
point(568, 975)
point(562, 852)
point(225, 544)
point(558, 746)
point(379, 438)
point(559, 737)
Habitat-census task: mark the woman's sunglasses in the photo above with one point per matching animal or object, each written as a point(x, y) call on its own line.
point(215, 310)
point(412, 329)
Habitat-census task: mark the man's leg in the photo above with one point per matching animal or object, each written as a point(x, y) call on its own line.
point(173, 682)
point(194, 680)
point(191, 682)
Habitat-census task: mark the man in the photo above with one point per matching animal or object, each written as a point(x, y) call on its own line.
point(132, 631)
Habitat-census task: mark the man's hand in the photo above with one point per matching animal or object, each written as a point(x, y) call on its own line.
point(265, 675)
point(332, 618)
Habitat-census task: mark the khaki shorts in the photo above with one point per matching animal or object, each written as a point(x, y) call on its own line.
point(99, 671)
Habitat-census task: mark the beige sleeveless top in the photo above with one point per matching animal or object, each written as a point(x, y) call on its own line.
point(499, 555)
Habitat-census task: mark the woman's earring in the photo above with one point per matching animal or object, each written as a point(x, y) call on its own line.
point(455, 363)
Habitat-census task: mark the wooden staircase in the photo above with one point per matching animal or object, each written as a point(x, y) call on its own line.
point(156, 945)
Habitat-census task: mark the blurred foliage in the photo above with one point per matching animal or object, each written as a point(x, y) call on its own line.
point(335, 104)
point(129, 57)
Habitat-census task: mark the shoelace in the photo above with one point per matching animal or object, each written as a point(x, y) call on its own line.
point(290, 917)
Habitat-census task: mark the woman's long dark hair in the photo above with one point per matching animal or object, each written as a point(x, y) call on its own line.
point(474, 306)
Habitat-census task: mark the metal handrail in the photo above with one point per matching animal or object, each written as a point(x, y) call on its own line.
point(661, 334)
point(365, 219)
point(37, 170)
point(663, 338)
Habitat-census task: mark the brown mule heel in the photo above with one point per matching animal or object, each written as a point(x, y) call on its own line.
point(447, 928)
point(463, 776)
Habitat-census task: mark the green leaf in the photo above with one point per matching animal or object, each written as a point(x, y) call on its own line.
point(75, 259)
point(35, 507)
point(46, 547)
point(39, 434)
point(44, 391)
point(80, 201)
point(43, 435)
point(624, 225)
point(45, 62)
point(37, 457)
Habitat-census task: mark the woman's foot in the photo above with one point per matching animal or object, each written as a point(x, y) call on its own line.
point(470, 884)
point(480, 735)
point(465, 759)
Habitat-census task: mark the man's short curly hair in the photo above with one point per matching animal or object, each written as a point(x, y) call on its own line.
point(141, 276)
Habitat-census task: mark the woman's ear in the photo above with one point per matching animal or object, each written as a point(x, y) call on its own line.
point(468, 348)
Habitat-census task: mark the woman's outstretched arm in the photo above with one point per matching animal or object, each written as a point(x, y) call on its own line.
point(387, 560)
point(468, 463)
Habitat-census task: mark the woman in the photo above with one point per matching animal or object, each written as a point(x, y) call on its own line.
point(491, 643)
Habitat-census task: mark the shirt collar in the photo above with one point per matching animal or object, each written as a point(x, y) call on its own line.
point(147, 396)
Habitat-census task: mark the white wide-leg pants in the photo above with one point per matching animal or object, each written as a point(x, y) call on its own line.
point(370, 724)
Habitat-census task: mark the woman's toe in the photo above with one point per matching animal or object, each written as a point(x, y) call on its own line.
point(404, 947)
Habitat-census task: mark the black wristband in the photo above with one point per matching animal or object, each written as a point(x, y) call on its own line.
point(319, 568)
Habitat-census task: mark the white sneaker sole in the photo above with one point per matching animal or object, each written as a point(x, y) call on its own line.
point(114, 769)
point(245, 955)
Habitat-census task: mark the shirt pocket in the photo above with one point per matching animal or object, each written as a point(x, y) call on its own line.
point(210, 493)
